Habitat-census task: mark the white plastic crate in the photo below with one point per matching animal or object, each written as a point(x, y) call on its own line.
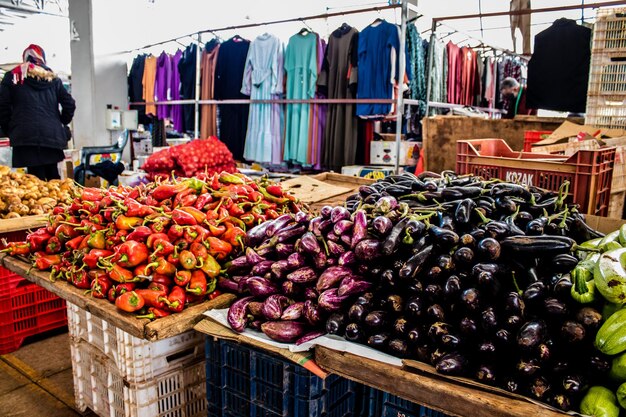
point(607, 76)
point(609, 32)
point(99, 387)
point(137, 360)
point(605, 113)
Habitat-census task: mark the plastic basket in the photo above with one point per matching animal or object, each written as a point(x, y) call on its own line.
point(606, 112)
point(99, 387)
point(25, 311)
point(589, 172)
point(394, 406)
point(137, 360)
point(371, 402)
point(607, 76)
point(254, 383)
point(609, 32)
point(534, 136)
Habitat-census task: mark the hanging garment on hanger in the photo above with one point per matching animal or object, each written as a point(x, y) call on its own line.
point(490, 82)
point(187, 70)
point(233, 118)
point(469, 76)
point(177, 110)
point(317, 118)
point(149, 78)
point(375, 70)
point(417, 65)
point(301, 70)
point(162, 85)
point(135, 87)
point(455, 66)
point(263, 80)
point(208, 126)
point(521, 21)
point(558, 71)
point(338, 79)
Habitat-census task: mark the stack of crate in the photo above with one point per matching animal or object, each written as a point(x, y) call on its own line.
point(119, 375)
point(606, 96)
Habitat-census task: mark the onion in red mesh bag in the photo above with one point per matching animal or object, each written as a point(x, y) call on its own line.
point(210, 155)
point(159, 161)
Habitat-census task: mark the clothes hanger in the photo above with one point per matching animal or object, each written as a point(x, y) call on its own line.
point(305, 30)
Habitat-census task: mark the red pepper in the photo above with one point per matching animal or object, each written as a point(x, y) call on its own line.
point(215, 294)
point(194, 298)
point(227, 178)
point(108, 212)
point(187, 259)
point(97, 219)
point(209, 266)
point(134, 209)
point(165, 191)
point(100, 286)
point(182, 278)
point(154, 313)
point(198, 215)
point(181, 244)
point(152, 298)
point(188, 200)
point(203, 200)
point(162, 279)
point(97, 240)
point(79, 279)
point(132, 254)
point(216, 230)
point(91, 194)
point(65, 232)
point(58, 210)
point(198, 283)
point(235, 210)
point(174, 258)
point(150, 201)
point(44, 262)
point(157, 286)
point(160, 224)
point(271, 214)
point(190, 234)
point(234, 235)
point(106, 202)
point(119, 289)
point(140, 234)
point(202, 233)
point(117, 273)
point(129, 302)
point(248, 219)
point(91, 259)
point(38, 239)
point(255, 196)
point(176, 300)
point(181, 195)
point(275, 190)
point(218, 248)
point(127, 223)
point(176, 231)
point(90, 207)
point(141, 270)
point(150, 242)
point(162, 247)
point(198, 249)
point(54, 245)
point(161, 266)
point(183, 218)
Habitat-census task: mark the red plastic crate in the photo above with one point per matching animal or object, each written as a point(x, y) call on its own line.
point(589, 172)
point(534, 136)
point(29, 310)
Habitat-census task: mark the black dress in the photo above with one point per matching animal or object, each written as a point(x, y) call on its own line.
point(233, 118)
point(187, 70)
point(135, 87)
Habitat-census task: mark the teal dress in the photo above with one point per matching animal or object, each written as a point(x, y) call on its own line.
point(301, 68)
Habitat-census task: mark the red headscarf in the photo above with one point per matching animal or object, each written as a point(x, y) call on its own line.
point(32, 56)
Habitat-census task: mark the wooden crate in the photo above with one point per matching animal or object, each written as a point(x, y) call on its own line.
point(616, 205)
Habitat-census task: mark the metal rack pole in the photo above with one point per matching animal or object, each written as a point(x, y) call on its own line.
point(196, 119)
point(401, 73)
point(429, 68)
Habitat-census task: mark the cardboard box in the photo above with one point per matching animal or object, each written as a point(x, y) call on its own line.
point(374, 172)
point(94, 181)
point(384, 153)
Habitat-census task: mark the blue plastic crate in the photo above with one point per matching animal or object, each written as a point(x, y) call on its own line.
point(371, 402)
point(394, 406)
point(257, 384)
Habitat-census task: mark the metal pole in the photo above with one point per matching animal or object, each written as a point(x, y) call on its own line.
point(401, 72)
point(196, 120)
point(429, 69)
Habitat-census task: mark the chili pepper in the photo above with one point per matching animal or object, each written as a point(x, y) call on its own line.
point(150, 201)
point(198, 215)
point(216, 230)
point(90, 207)
point(203, 200)
point(271, 214)
point(162, 279)
point(152, 298)
point(202, 233)
point(43, 261)
point(176, 300)
point(17, 248)
point(154, 313)
point(234, 235)
point(150, 242)
point(165, 191)
point(181, 244)
point(132, 254)
point(58, 210)
point(182, 278)
point(157, 286)
point(188, 200)
point(213, 295)
point(198, 283)
point(140, 234)
point(275, 190)
point(218, 248)
point(124, 287)
point(123, 222)
point(209, 266)
point(248, 220)
point(134, 209)
point(54, 245)
point(187, 259)
point(160, 224)
point(65, 232)
point(91, 258)
point(198, 249)
point(183, 218)
point(269, 197)
point(79, 279)
point(175, 231)
point(143, 269)
point(129, 302)
point(97, 240)
point(162, 247)
point(235, 210)
point(117, 272)
point(227, 178)
point(161, 266)
point(91, 194)
point(181, 195)
point(100, 286)
point(255, 196)
point(173, 258)
point(39, 239)
point(190, 234)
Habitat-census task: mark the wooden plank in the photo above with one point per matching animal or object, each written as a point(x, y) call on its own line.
point(311, 190)
point(428, 390)
point(22, 223)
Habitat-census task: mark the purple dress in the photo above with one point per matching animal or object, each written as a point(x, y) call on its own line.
point(163, 84)
point(177, 110)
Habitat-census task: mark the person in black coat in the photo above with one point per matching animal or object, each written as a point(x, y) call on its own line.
point(30, 96)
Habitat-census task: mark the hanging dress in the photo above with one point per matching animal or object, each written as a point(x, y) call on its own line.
point(301, 69)
point(149, 78)
point(162, 85)
point(177, 110)
point(208, 126)
point(263, 80)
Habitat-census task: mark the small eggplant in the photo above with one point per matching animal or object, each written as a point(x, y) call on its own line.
point(258, 234)
point(310, 294)
point(376, 320)
point(415, 308)
point(326, 211)
point(468, 241)
point(386, 204)
point(330, 301)
point(563, 287)
point(278, 224)
point(393, 240)
point(452, 288)
point(539, 388)
point(350, 286)
point(489, 320)
point(308, 244)
point(486, 374)
point(296, 260)
point(464, 210)
point(573, 384)
point(512, 385)
point(434, 292)
point(555, 308)
point(394, 304)
point(368, 250)
point(339, 213)
point(228, 285)
point(273, 306)
point(309, 336)
point(535, 293)
point(445, 263)
point(398, 347)
point(531, 334)
point(470, 299)
point(359, 229)
point(451, 364)
point(303, 275)
point(357, 313)
point(283, 250)
point(261, 287)
point(336, 324)
point(378, 341)
point(238, 265)
point(382, 226)
point(590, 318)
point(415, 336)
point(293, 312)
point(335, 249)
point(290, 289)
point(311, 313)
point(572, 332)
point(436, 313)
point(544, 246)
point(283, 331)
point(262, 268)
point(347, 258)
point(343, 227)
point(354, 333)
point(443, 237)
point(514, 304)
point(252, 257)
point(280, 269)
point(415, 264)
point(528, 368)
point(331, 277)
point(400, 327)
point(367, 300)
point(563, 263)
point(561, 401)
point(513, 323)
point(489, 249)
point(238, 314)
point(463, 255)
point(468, 327)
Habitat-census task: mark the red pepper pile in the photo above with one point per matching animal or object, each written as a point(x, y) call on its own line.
point(155, 248)
point(207, 156)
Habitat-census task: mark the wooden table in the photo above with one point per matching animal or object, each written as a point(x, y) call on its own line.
point(151, 330)
point(431, 391)
point(22, 223)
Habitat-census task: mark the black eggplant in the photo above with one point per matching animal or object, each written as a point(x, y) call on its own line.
point(394, 304)
point(535, 293)
point(563, 263)
point(528, 367)
point(437, 330)
point(401, 327)
point(376, 320)
point(415, 263)
point(415, 336)
point(415, 308)
point(489, 319)
point(450, 341)
point(514, 304)
point(555, 308)
point(463, 255)
point(467, 241)
point(393, 240)
point(378, 341)
point(388, 277)
point(365, 299)
point(589, 317)
point(463, 212)
point(443, 237)
point(486, 374)
point(572, 332)
point(354, 333)
point(452, 288)
point(436, 313)
point(433, 292)
point(487, 348)
point(470, 299)
point(506, 205)
point(398, 347)
point(489, 249)
point(512, 385)
point(510, 190)
point(451, 364)
point(531, 334)
point(561, 401)
point(535, 227)
point(336, 324)
point(513, 323)
point(468, 327)
point(445, 263)
point(357, 313)
point(573, 384)
point(539, 388)
point(563, 287)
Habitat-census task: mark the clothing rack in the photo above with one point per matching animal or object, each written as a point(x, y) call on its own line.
point(437, 20)
point(404, 6)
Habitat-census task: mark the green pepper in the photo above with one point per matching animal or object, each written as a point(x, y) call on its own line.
point(618, 368)
point(584, 288)
point(621, 395)
point(621, 237)
point(599, 402)
point(590, 244)
point(611, 237)
point(609, 246)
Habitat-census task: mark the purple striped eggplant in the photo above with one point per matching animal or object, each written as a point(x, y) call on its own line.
point(312, 313)
point(262, 268)
point(273, 306)
point(310, 293)
point(350, 285)
point(228, 285)
point(382, 225)
point(330, 301)
point(293, 312)
point(326, 211)
point(320, 260)
point(257, 234)
point(303, 275)
point(283, 250)
point(296, 260)
point(359, 230)
point(252, 257)
point(280, 269)
point(346, 239)
point(308, 244)
point(290, 289)
point(368, 250)
point(278, 224)
point(239, 264)
point(314, 226)
point(284, 331)
point(238, 314)
point(386, 204)
point(343, 227)
point(261, 287)
point(331, 277)
point(255, 308)
point(347, 258)
point(335, 249)
point(310, 336)
point(339, 213)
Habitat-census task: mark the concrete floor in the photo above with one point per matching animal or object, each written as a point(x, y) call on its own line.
point(36, 380)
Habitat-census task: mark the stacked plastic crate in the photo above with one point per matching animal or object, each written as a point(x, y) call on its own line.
point(119, 375)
